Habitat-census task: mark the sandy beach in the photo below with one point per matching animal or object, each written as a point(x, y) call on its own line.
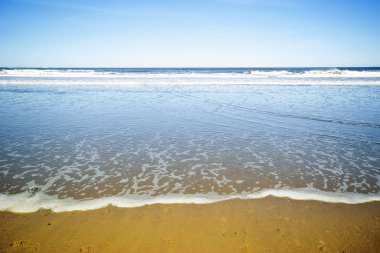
point(213, 126)
point(262, 225)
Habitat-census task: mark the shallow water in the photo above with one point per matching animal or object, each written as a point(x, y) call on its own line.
point(84, 137)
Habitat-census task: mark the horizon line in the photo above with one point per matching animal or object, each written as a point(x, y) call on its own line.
point(186, 67)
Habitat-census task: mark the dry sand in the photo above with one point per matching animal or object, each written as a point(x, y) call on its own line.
point(263, 225)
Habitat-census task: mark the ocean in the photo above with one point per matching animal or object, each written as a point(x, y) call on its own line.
point(79, 139)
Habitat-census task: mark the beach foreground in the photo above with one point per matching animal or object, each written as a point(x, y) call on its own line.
point(262, 225)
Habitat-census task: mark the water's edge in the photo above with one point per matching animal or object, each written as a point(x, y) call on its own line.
point(27, 203)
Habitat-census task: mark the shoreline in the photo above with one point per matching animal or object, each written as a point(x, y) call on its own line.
point(269, 224)
point(27, 203)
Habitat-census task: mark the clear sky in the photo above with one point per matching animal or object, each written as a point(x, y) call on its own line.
point(189, 33)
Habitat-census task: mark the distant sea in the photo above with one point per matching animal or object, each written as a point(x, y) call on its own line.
point(83, 138)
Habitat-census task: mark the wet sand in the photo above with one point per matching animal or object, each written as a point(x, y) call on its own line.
point(262, 225)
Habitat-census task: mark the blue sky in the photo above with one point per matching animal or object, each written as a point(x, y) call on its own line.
point(189, 33)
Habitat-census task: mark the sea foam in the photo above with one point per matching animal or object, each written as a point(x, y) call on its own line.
point(26, 202)
point(254, 77)
point(131, 144)
point(156, 73)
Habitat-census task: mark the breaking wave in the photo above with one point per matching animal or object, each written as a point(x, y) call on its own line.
point(295, 73)
point(138, 77)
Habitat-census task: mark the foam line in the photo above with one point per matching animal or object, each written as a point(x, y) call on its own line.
point(189, 74)
point(256, 77)
point(26, 203)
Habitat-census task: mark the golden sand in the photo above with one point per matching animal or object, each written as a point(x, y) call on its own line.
point(263, 225)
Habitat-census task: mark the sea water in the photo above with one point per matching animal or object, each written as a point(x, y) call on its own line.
point(76, 139)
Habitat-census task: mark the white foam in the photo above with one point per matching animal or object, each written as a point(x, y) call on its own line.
point(51, 73)
point(333, 73)
point(25, 202)
point(177, 82)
